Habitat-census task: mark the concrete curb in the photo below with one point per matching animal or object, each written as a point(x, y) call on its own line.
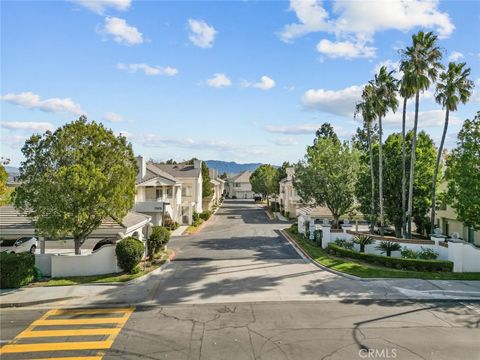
point(305, 255)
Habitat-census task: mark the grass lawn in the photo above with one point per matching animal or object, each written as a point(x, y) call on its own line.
point(106, 278)
point(366, 270)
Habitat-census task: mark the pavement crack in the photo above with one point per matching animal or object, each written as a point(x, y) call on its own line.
point(405, 348)
point(336, 351)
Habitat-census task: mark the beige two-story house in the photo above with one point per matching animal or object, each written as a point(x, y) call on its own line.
point(158, 194)
point(288, 198)
point(239, 186)
point(190, 178)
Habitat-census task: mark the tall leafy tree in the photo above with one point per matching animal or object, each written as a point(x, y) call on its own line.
point(74, 178)
point(422, 61)
point(406, 91)
point(327, 176)
point(366, 110)
point(453, 87)
point(463, 174)
point(383, 99)
point(3, 180)
point(264, 180)
point(326, 131)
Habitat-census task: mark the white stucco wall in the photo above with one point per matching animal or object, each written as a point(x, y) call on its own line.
point(102, 261)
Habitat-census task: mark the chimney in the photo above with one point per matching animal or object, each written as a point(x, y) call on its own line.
point(213, 173)
point(197, 164)
point(142, 167)
point(290, 172)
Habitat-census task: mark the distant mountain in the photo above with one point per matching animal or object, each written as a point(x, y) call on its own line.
point(12, 170)
point(231, 167)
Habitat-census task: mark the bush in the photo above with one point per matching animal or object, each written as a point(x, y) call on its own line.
point(293, 229)
point(344, 244)
point(392, 262)
point(16, 270)
point(157, 240)
point(427, 254)
point(287, 214)
point(129, 253)
point(363, 240)
point(195, 216)
point(409, 253)
point(205, 215)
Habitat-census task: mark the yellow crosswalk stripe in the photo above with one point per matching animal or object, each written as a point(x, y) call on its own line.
point(113, 320)
point(58, 346)
point(71, 332)
point(91, 311)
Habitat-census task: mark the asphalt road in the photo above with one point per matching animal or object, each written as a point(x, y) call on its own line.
point(238, 290)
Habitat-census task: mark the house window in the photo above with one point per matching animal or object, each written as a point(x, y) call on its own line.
point(169, 192)
point(471, 235)
point(186, 191)
point(237, 185)
point(158, 193)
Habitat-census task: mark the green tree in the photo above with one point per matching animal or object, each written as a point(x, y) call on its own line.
point(325, 131)
point(207, 187)
point(74, 178)
point(223, 176)
point(463, 174)
point(3, 180)
point(264, 180)
point(367, 111)
point(327, 176)
point(453, 87)
point(383, 99)
point(422, 61)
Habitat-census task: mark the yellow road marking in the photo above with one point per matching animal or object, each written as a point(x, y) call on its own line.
point(119, 320)
point(72, 332)
point(72, 358)
point(59, 346)
point(91, 311)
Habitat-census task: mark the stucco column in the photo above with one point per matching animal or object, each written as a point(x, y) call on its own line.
point(41, 239)
point(326, 234)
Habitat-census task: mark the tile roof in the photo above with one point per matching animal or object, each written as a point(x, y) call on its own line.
point(153, 172)
point(180, 170)
point(243, 177)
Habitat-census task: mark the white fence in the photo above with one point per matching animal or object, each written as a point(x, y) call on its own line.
point(465, 256)
point(99, 262)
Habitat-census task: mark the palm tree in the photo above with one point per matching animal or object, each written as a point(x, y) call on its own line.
point(422, 60)
point(388, 247)
point(363, 240)
point(365, 108)
point(406, 92)
point(453, 87)
point(384, 99)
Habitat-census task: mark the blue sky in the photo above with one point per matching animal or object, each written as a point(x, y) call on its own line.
point(244, 81)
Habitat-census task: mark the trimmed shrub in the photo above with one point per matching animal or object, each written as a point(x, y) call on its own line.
point(205, 215)
point(344, 244)
point(16, 270)
point(293, 229)
point(392, 262)
point(129, 253)
point(157, 240)
point(409, 253)
point(427, 254)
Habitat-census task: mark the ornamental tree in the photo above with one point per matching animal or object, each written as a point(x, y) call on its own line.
point(74, 178)
point(264, 180)
point(463, 174)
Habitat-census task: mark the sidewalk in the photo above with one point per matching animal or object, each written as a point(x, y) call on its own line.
point(281, 217)
point(179, 231)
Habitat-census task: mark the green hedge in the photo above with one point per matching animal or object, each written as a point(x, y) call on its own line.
point(129, 253)
point(205, 215)
point(392, 262)
point(16, 270)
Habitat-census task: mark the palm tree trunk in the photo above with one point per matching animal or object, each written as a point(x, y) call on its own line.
point(412, 166)
point(372, 175)
point(404, 180)
point(437, 165)
point(380, 173)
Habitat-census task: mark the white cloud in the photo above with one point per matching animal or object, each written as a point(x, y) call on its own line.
point(112, 117)
point(339, 102)
point(361, 20)
point(219, 80)
point(345, 49)
point(148, 70)
point(201, 34)
point(391, 66)
point(426, 119)
point(30, 100)
point(285, 141)
point(99, 6)
point(455, 56)
point(293, 129)
point(28, 125)
point(265, 83)
point(121, 32)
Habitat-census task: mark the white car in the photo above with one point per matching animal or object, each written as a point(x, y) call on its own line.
point(20, 245)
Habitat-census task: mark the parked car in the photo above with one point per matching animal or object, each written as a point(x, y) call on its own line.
point(21, 245)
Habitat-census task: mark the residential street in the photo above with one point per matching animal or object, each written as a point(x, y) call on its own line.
point(238, 290)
